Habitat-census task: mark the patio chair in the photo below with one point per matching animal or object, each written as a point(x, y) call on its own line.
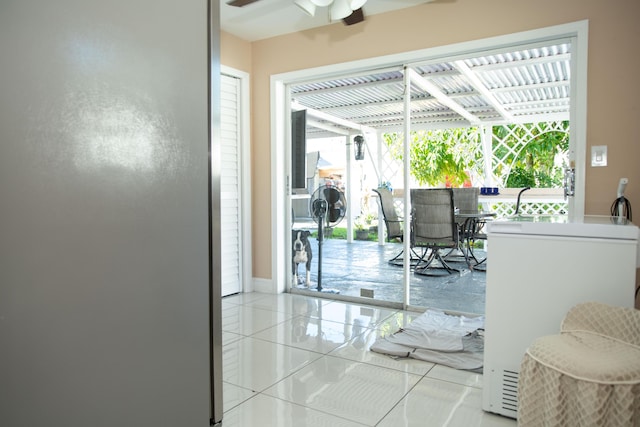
point(393, 224)
point(466, 199)
point(475, 232)
point(433, 227)
point(470, 229)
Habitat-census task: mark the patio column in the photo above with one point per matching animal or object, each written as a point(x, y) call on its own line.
point(381, 226)
point(407, 201)
point(486, 137)
point(350, 196)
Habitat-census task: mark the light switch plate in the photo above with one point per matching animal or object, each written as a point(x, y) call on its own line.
point(598, 155)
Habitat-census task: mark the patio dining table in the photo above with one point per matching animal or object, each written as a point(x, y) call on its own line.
point(470, 223)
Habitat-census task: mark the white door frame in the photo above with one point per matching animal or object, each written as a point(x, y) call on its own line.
point(577, 32)
point(246, 264)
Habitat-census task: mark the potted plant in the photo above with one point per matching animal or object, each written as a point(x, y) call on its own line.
point(371, 222)
point(362, 227)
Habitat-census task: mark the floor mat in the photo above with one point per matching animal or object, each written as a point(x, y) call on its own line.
point(434, 336)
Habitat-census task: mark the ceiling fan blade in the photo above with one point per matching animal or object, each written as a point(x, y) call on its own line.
point(356, 17)
point(240, 3)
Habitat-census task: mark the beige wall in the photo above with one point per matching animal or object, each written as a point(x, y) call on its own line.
point(613, 92)
point(235, 52)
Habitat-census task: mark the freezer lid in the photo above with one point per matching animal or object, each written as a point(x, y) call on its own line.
point(560, 225)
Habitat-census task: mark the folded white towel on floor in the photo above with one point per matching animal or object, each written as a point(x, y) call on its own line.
point(437, 337)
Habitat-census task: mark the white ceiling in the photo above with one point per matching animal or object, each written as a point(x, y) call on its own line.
point(270, 18)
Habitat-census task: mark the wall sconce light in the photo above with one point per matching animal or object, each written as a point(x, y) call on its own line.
point(359, 141)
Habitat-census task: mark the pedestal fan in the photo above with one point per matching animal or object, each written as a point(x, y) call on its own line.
point(328, 206)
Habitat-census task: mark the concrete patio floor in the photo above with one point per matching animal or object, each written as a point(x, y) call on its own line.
point(350, 268)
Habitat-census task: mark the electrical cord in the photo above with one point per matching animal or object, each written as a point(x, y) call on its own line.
point(621, 207)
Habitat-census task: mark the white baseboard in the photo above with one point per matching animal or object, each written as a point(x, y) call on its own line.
point(263, 285)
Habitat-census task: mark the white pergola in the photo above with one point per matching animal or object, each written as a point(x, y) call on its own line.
point(519, 86)
point(525, 85)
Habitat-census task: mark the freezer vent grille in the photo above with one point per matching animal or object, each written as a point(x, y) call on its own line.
point(510, 392)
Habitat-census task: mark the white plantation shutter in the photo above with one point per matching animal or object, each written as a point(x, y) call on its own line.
point(230, 186)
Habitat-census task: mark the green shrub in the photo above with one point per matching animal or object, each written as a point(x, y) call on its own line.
point(341, 233)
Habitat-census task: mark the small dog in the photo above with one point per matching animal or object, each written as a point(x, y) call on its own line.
point(301, 251)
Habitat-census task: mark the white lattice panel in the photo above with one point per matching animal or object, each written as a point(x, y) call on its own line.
point(507, 148)
point(505, 209)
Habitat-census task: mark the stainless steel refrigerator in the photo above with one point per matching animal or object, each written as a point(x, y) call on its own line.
point(109, 236)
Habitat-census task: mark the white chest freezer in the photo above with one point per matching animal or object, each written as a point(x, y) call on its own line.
point(538, 268)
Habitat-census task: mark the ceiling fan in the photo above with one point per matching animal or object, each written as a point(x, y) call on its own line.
point(350, 11)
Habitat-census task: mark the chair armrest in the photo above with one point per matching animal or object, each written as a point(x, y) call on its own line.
point(397, 220)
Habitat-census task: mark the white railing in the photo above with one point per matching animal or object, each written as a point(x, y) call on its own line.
point(536, 201)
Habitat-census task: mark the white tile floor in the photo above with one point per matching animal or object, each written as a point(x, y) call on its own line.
point(291, 360)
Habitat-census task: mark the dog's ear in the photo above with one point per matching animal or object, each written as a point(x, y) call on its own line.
point(306, 233)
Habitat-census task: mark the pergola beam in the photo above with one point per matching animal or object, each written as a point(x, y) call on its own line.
point(480, 87)
point(524, 62)
point(332, 119)
point(328, 127)
point(428, 86)
point(537, 86)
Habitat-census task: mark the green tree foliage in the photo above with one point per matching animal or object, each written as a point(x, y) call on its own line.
point(534, 165)
point(437, 156)
point(447, 155)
